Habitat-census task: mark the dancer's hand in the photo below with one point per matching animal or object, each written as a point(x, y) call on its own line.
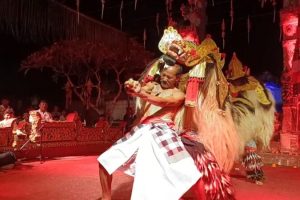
point(132, 87)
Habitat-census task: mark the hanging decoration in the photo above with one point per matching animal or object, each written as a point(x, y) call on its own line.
point(169, 5)
point(231, 15)
point(273, 2)
point(223, 33)
point(77, 10)
point(213, 2)
point(289, 53)
point(167, 9)
point(248, 28)
point(157, 23)
point(121, 13)
point(280, 35)
point(290, 24)
point(262, 3)
point(274, 10)
point(102, 8)
point(42, 25)
point(135, 4)
point(145, 38)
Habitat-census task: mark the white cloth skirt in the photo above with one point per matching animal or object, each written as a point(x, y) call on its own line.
point(156, 157)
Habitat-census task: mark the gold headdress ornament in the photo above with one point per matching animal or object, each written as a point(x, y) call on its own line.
point(210, 53)
point(183, 51)
point(235, 68)
point(236, 71)
point(186, 52)
point(170, 35)
point(208, 47)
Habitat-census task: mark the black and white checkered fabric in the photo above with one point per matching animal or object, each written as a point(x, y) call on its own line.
point(165, 137)
point(129, 134)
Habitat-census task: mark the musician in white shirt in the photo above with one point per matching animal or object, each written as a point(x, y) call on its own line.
point(45, 115)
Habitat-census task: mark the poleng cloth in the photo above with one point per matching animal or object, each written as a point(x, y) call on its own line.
point(154, 154)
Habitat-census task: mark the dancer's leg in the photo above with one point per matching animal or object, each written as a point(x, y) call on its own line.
point(199, 191)
point(253, 164)
point(105, 180)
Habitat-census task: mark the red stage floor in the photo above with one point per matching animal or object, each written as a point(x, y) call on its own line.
point(72, 178)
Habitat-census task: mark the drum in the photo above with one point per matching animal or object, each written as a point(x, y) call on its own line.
point(7, 158)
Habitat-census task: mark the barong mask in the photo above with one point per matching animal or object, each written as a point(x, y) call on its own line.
point(194, 58)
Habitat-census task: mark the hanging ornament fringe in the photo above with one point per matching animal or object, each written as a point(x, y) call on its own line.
point(223, 33)
point(280, 35)
point(135, 4)
point(167, 9)
point(56, 22)
point(145, 38)
point(248, 28)
point(262, 3)
point(213, 2)
point(121, 13)
point(77, 9)
point(274, 10)
point(102, 8)
point(157, 23)
point(231, 15)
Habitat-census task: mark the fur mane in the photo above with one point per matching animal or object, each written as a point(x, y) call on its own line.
point(216, 128)
point(255, 122)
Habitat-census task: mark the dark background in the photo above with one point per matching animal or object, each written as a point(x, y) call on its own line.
point(264, 53)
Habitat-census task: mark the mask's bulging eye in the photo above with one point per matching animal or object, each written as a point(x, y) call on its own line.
point(175, 49)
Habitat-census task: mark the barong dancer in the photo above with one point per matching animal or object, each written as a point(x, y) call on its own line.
point(253, 110)
point(154, 153)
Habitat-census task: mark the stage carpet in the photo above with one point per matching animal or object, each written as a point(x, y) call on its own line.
point(70, 178)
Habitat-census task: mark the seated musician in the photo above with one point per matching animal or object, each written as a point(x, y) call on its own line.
point(4, 106)
point(45, 115)
point(8, 118)
point(21, 129)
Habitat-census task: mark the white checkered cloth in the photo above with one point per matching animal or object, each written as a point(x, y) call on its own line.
point(155, 155)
